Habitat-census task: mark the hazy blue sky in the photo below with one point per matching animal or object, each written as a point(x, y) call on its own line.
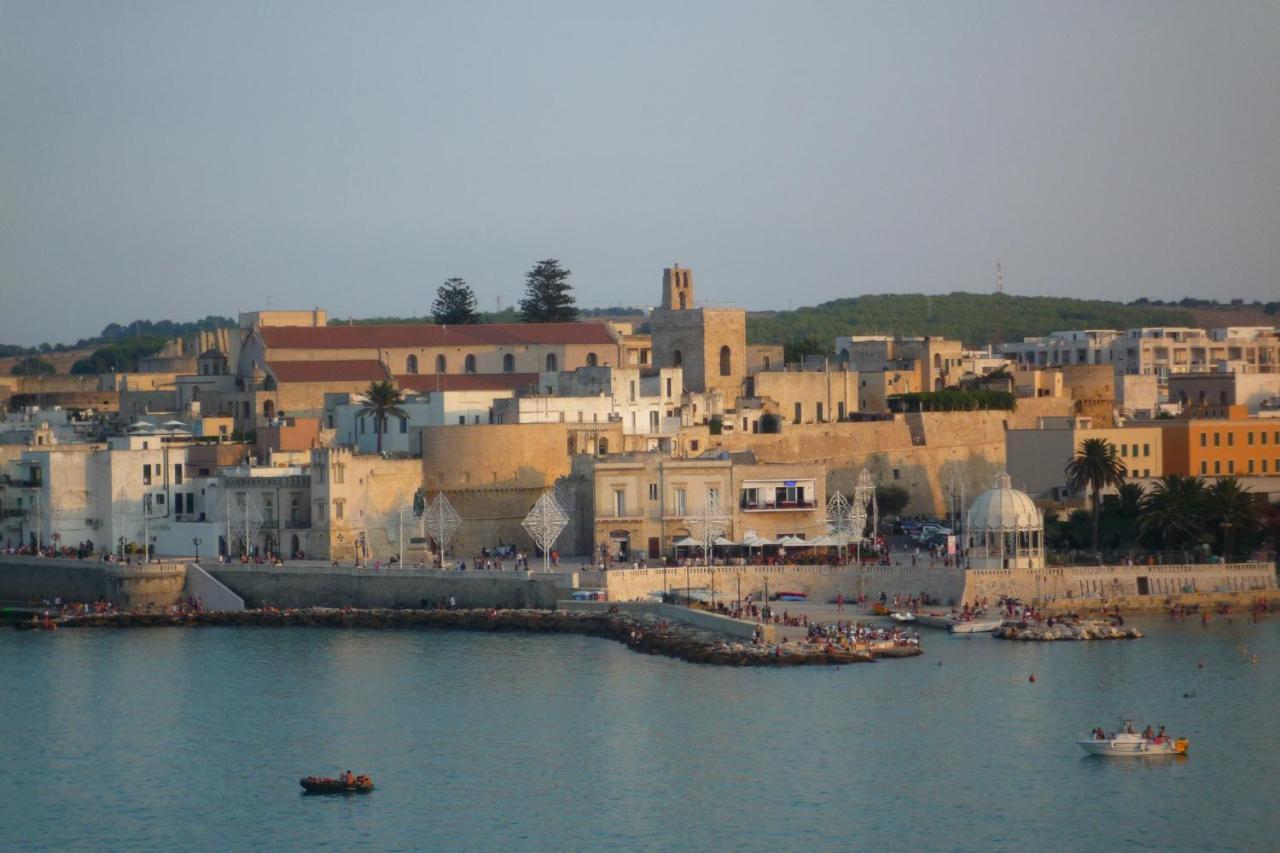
point(174, 159)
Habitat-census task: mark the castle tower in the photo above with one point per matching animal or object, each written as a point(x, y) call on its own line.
point(677, 288)
point(708, 344)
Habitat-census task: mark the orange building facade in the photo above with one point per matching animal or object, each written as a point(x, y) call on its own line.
point(1221, 442)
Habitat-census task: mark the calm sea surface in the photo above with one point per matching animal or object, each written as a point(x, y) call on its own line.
point(173, 738)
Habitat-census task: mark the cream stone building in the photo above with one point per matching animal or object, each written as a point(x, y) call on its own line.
point(1036, 458)
point(644, 503)
point(808, 397)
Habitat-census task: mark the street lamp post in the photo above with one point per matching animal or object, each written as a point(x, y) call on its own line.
point(195, 541)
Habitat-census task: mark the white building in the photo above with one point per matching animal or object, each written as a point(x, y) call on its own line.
point(646, 405)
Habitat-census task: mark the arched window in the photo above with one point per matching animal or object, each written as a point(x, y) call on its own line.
point(604, 446)
point(268, 410)
point(411, 364)
point(592, 361)
point(937, 360)
point(684, 300)
point(470, 364)
point(442, 364)
point(677, 358)
point(508, 363)
point(552, 364)
point(937, 384)
point(726, 362)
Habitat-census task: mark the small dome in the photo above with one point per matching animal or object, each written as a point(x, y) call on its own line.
point(1003, 508)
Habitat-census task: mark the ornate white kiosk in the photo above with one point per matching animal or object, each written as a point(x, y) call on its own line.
point(1003, 529)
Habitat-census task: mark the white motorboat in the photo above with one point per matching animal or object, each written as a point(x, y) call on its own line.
point(1129, 744)
point(903, 616)
point(976, 626)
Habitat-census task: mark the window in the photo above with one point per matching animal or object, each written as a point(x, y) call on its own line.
point(1264, 466)
point(799, 412)
point(1204, 439)
point(897, 474)
point(1250, 466)
point(177, 474)
point(681, 502)
point(726, 361)
point(1135, 450)
point(1231, 439)
point(840, 410)
point(1124, 450)
point(653, 491)
point(1217, 439)
point(338, 474)
point(653, 421)
point(619, 503)
point(668, 386)
point(146, 475)
point(631, 393)
point(462, 420)
point(411, 364)
point(1146, 450)
point(337, 509)
point(1217, 466)
point(1249, 438)
point(819, 411)
point(592, 361)
point(552, 363)
point(442, 364)
point(1231, 466)
point(1204, 467)
point(713, 495)
point(469, 364)
point(693, 445)
point(508, 363)
point(1264, 437)
point(404, 425)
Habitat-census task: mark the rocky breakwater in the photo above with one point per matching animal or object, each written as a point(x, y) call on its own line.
point(1067, 631)
point(646, 634)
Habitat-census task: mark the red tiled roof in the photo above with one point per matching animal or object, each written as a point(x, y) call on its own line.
point(346, 370)
point(428, 335)
point(422, 382)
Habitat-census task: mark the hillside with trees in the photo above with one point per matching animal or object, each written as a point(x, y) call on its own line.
point(975, 318)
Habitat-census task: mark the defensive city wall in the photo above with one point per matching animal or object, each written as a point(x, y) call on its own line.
point(949, 586)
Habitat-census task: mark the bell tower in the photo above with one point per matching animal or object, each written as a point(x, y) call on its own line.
point(677, 288)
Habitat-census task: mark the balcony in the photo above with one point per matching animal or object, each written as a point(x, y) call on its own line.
point(777, 506)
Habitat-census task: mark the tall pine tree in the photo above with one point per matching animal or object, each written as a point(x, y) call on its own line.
point(548, 294)
point(455, 304)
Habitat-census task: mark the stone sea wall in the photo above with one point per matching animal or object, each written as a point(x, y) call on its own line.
point(127, 586)
point(297, 585)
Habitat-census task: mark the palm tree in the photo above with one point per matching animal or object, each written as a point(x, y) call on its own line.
point(1095, 466)
point(1173, 511)
point(1230, 506)
point(1130, 500)
point(383, 400)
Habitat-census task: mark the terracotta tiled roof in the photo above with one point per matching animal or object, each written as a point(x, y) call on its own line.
point(427, 335)
point(347, 370)
point(421, 382)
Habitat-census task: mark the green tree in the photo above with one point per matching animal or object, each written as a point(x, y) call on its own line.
point(797, 349)
point(1095, 466)
point(891, 499)
point(119, 357)
point(548, 294)
point(32, 366)
point(1230, 507)
point(383, 401)
point(1129, 500)
point(455, 304)
point(1173, 512)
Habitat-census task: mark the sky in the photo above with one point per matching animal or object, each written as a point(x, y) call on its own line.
point(168, 160)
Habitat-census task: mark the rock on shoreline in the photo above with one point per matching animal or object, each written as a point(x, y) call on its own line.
point(641, 633)
point(1064, 631)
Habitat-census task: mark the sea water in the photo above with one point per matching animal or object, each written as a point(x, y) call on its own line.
point(161, 739)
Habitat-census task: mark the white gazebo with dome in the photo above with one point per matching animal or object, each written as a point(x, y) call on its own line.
point(1004, 529)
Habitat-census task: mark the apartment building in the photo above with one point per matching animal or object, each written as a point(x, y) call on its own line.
point(1222, 441)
